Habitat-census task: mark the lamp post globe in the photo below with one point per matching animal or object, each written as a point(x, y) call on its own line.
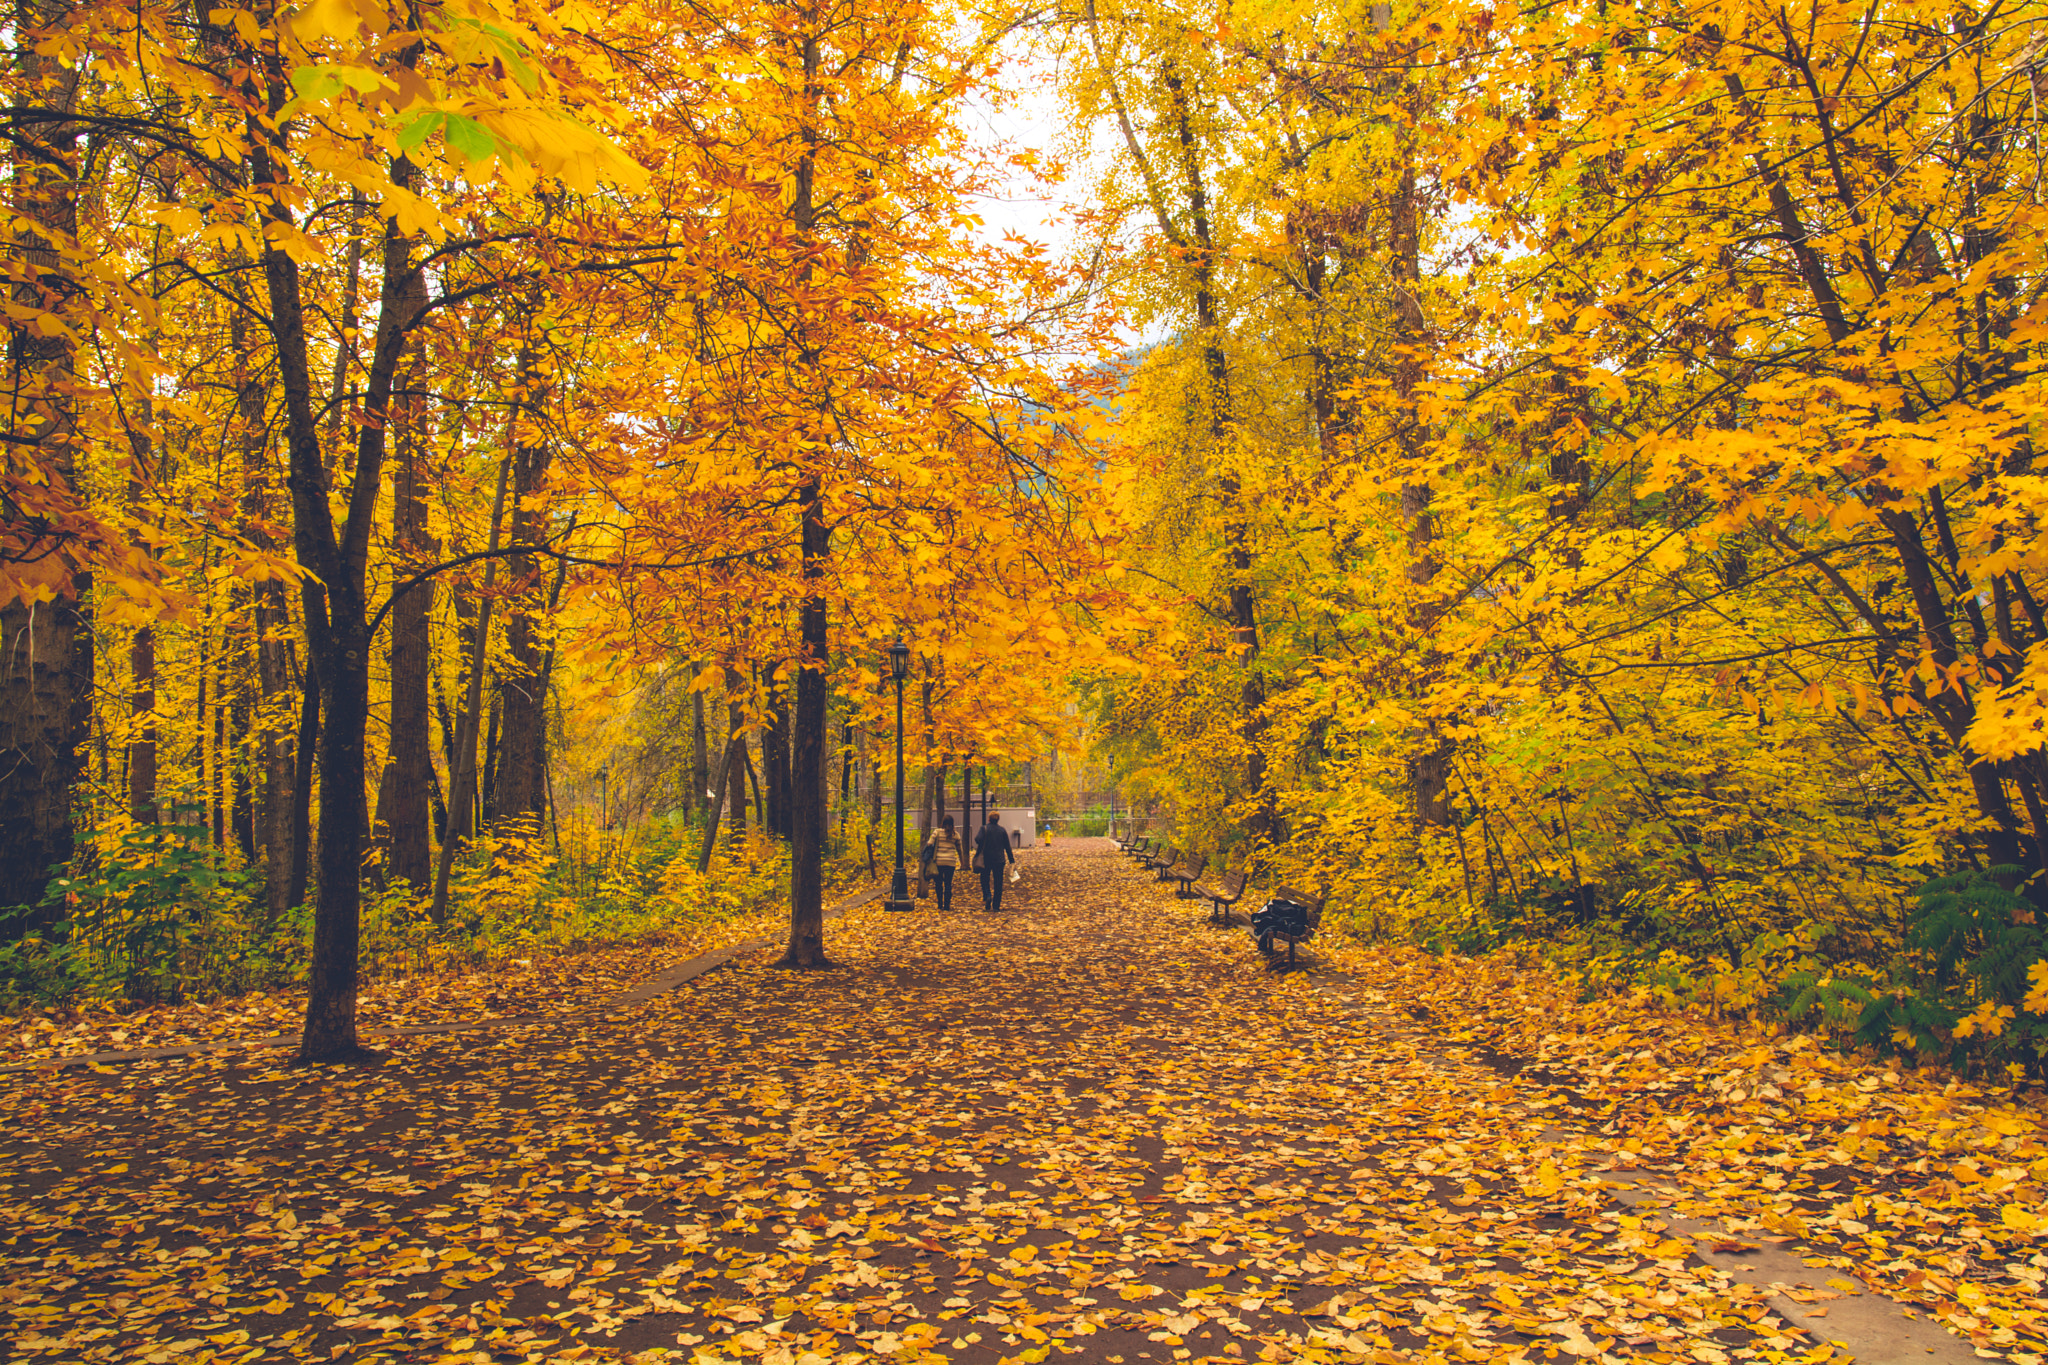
point(899, 881)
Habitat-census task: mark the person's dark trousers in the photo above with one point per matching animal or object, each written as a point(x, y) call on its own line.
point(992, 888)
point(942, 879)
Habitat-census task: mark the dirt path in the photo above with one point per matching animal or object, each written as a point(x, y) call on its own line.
point(1090, 1128)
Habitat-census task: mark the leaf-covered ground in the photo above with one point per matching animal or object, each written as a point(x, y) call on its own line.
point(1092, 1128)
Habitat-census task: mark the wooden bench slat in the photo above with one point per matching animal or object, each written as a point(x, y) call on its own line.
point(1228, 891)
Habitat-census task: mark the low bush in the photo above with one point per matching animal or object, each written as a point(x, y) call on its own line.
point(156, 914)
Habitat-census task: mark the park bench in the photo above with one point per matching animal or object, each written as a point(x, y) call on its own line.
point(1124, 841)
point(1136, 848)
point(1314, 905)
point(1226, 892)
point(1190, 866)
point(1157, 861)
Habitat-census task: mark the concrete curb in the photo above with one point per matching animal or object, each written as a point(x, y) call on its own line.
point(1874, 1329)
point(1849, 1315)
point(658, 984)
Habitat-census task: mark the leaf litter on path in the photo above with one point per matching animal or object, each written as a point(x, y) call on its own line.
point(1088, 1128)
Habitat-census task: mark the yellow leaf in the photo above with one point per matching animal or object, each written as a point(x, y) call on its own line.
point(325, 19)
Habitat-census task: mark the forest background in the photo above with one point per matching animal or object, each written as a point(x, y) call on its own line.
point(1581, 498)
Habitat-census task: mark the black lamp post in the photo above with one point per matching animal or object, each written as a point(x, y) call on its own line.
point(899, 883)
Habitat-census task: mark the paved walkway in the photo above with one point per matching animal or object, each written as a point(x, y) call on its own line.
point(1090, 1128)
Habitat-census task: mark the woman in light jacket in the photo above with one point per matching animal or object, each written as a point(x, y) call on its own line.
point(944, 856)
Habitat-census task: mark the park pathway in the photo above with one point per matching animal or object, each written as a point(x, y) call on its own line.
point(1092, 1128)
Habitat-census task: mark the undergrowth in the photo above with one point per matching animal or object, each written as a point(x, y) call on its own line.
point(1962, 981)
point(160, 915)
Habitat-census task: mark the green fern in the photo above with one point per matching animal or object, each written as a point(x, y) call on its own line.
point(1971, 927)
point(1977, 942)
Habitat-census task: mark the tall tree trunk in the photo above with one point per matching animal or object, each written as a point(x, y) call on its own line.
point(45, 648)
point(845, 779)
point(142, 734)
point(519, 789)
point(305, 755)
point(377, 861)
point(462, 781)
point(926, 820)
point(201, 745)
point(1429, 771)
point(1242, 606)
point(760, 802)
point(738, 815)
point(807, 767)
point(280, 833)
point(723, 795)
point(415, 548)
point(142, 726)
point(337, 620)
point(347, 325)
point(487, 802)
point(451, 824)
point(874, 774)
point(775, 757)
point(240, 672)
point(700, 766)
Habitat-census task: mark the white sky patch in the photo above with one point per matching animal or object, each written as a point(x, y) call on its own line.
point(1024, 114)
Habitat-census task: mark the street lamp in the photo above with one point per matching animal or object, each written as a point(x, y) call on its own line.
point(899, 884)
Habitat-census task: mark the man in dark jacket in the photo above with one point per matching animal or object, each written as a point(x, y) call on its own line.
point(993, 844)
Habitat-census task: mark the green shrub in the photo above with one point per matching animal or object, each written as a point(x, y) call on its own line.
point(1975, 985)
point(158, 916)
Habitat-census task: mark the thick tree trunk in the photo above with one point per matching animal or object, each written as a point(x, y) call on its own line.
point(337, 621)
point(41, 656)
point(807, 767)
point(45, 648)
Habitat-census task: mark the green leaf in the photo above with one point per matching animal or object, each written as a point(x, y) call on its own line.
point(315, 82)
point(470, 138)
point(419, 128)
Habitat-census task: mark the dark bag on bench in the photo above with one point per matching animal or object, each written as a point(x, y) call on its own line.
point(1280, 917)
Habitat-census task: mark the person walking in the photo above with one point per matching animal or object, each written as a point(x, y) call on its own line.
point(944, 855)
point(993, 857)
